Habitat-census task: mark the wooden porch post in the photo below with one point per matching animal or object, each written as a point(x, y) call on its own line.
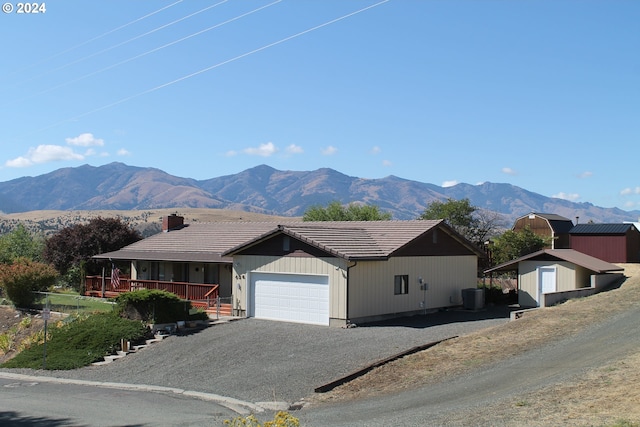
point(103, 282)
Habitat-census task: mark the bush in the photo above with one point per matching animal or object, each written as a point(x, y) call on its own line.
point(81, 342)
point(281, 419)
point(23, 277)
point(154, 306)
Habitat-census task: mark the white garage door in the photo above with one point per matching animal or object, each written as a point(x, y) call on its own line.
point(290, 297)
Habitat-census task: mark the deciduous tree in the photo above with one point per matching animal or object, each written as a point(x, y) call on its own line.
point(19, 243)
point(23, 277)
point(470, 221)
point(335, 211)
point(75, 245)
point(511, 245)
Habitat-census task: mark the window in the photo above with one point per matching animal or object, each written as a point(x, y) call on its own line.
point(401, 284)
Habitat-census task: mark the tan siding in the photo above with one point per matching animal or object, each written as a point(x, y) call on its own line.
point(583, 277)
point(334, 268)
point(566, 277)
point(528, 279)
point(371, 290)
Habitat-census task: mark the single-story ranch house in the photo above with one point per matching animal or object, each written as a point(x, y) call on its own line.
point(327, 273)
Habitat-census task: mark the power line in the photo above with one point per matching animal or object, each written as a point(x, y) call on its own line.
point(149, 51)
point(204, 70)
point(129, 40)
point(98, 37)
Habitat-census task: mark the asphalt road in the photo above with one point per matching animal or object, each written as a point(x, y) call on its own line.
point(30, 402)
point(453, 403)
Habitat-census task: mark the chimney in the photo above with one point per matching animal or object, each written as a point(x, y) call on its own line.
point(172, 222)
point(577, 219)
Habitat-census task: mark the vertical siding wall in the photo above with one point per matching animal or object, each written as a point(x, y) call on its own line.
point(335, 268)
point(566, 276)
point(607, 248)
point(371, 284)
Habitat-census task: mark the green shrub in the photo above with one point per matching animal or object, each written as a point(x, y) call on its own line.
point(23, 277)
point(154, 306)
point(81, 342)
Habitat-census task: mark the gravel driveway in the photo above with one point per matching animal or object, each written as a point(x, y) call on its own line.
point(263, 361)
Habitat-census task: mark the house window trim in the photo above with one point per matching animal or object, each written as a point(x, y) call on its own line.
point(401, 284)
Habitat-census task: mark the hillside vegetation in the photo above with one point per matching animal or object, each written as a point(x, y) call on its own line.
point(148, 222)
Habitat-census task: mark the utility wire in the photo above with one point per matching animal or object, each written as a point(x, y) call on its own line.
point(98, 37)
point(133, 58)
point(100, 52)
point(204, 70)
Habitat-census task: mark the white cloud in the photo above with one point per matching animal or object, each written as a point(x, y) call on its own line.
point(449, 183)
point(44, 154)
point(231, 153)
point(376, 150)
point(329, 151)
point(387, 163)
point(630, 191)
point(85, 140)
point(585, 174)
point(294, 149)
point(264, 150)
point(567, 196)
point(123, 152)
point(509, 171)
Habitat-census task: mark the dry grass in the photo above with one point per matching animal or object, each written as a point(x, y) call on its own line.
point(618, 395)
point(190, 214)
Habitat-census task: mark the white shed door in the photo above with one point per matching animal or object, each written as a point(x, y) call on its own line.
point(290, 297)
point(546, 281)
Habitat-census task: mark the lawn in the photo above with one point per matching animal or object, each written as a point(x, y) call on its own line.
point(72, 303)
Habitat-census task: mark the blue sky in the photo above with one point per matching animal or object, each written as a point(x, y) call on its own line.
point(544, 95)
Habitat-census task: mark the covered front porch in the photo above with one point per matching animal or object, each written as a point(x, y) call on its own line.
point(201, 295)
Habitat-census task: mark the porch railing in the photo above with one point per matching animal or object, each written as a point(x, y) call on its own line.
point(184, 290)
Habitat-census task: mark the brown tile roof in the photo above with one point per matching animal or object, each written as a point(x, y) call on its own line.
point(570, 255)
point(216, 241)
point(202, 242)
point(357, 239)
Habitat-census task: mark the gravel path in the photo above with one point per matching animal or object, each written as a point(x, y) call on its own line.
point(264, 361)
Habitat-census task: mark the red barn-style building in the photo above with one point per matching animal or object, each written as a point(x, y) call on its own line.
point(615, 243)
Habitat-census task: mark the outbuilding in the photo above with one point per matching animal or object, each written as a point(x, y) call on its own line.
point(617, 242)
point(548, 276)
point(546, 225)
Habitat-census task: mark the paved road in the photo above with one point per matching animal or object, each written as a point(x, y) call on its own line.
point(29, 402)
point(453, 402)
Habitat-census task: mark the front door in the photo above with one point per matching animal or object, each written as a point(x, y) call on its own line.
point(546, 281)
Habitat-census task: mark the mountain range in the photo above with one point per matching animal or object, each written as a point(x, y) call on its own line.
point(263, 189)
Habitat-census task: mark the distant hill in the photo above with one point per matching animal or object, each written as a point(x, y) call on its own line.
point(265, 190)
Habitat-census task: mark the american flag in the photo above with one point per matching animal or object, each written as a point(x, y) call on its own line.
point(115, 277)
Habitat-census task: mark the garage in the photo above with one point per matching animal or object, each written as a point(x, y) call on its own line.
point(290, 297)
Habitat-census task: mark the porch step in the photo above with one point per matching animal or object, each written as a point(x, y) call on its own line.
point(226, 310)
point(120, 354)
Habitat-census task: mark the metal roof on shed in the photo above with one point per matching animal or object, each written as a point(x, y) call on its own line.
point(616, 228)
